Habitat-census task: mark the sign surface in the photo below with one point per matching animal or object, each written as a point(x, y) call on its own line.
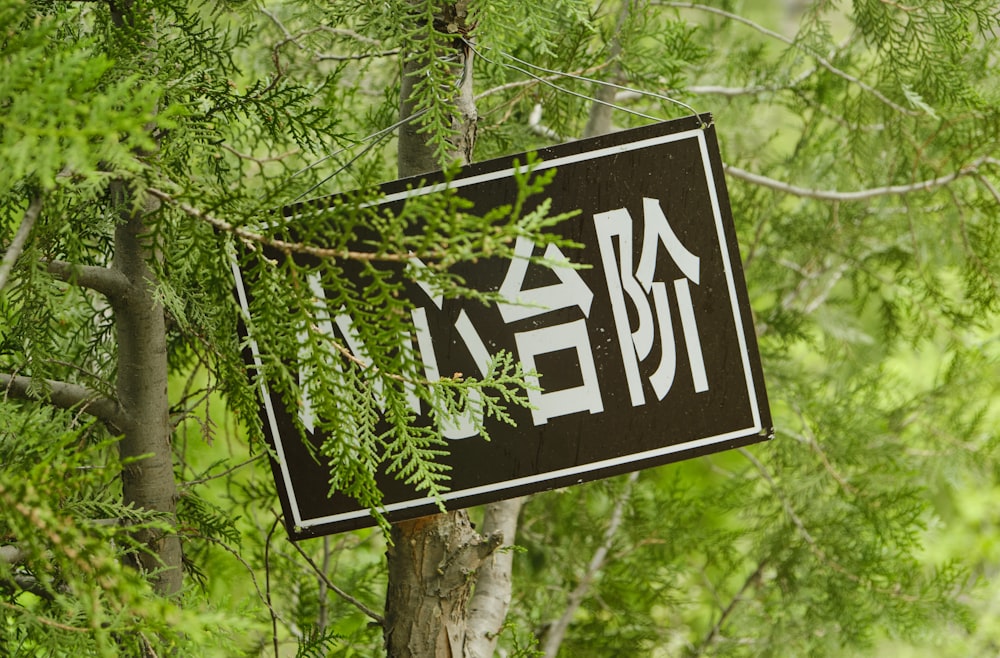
point(646, 356)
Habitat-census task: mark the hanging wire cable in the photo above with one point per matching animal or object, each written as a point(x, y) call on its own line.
point(574, 76)
point(375, 138)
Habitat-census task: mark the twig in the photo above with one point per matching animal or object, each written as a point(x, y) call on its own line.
point(209, 478)
point(737, 598)
point(379, 619)
point(20, 239)
point(557, 631)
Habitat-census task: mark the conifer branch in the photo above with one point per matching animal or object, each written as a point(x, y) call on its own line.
point(20, 609)
point(814, 545)
point(972, 169)
point(753, 579)
point(287, 247)
point(64, 395)
point(983, 268)
point(20, 239)
point(822, 61)
point(109, 282)
point(810, 439)
point(338, 32)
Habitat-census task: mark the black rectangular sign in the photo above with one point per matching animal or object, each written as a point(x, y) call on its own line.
point(647, 356)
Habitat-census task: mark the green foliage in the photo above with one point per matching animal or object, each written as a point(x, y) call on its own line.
point(93, 115)
point(870, 248)
point(70, 592)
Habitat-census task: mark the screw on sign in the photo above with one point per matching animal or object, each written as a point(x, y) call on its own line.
point(644, 346)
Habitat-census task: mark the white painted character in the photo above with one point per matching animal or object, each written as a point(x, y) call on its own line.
point(639, 286)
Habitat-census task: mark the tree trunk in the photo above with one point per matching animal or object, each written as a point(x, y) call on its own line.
point(448, 589)
point(599, 121)
point(148, 481)
point(141, 387)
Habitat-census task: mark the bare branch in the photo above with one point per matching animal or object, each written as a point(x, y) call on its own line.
point(557, 631)
point(11, 554)
point(859, 195)
point(20, 239)
point(65, 396)
point(110, 283)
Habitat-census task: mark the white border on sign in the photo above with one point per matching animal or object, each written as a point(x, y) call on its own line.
point(696, 133)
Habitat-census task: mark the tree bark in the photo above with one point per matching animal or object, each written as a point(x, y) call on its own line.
point(148, 480)
point(432, 565)
point(448, 589)
point(64, 395)
point(141, 386)
point(491, 599)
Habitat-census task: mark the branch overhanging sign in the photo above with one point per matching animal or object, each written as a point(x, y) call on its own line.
point(646, 355)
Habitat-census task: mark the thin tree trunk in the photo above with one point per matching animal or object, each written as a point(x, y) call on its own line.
point(491, 599)
point(148, 477)
point(148, 481)
point(599, 120)
point(448, 589)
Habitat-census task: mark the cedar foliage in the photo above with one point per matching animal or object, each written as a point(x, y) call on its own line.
point(877, 316)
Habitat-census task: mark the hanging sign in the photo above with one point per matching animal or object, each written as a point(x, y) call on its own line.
point(647, 355)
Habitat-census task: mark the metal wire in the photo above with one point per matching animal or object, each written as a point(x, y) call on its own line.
point(582, 78)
